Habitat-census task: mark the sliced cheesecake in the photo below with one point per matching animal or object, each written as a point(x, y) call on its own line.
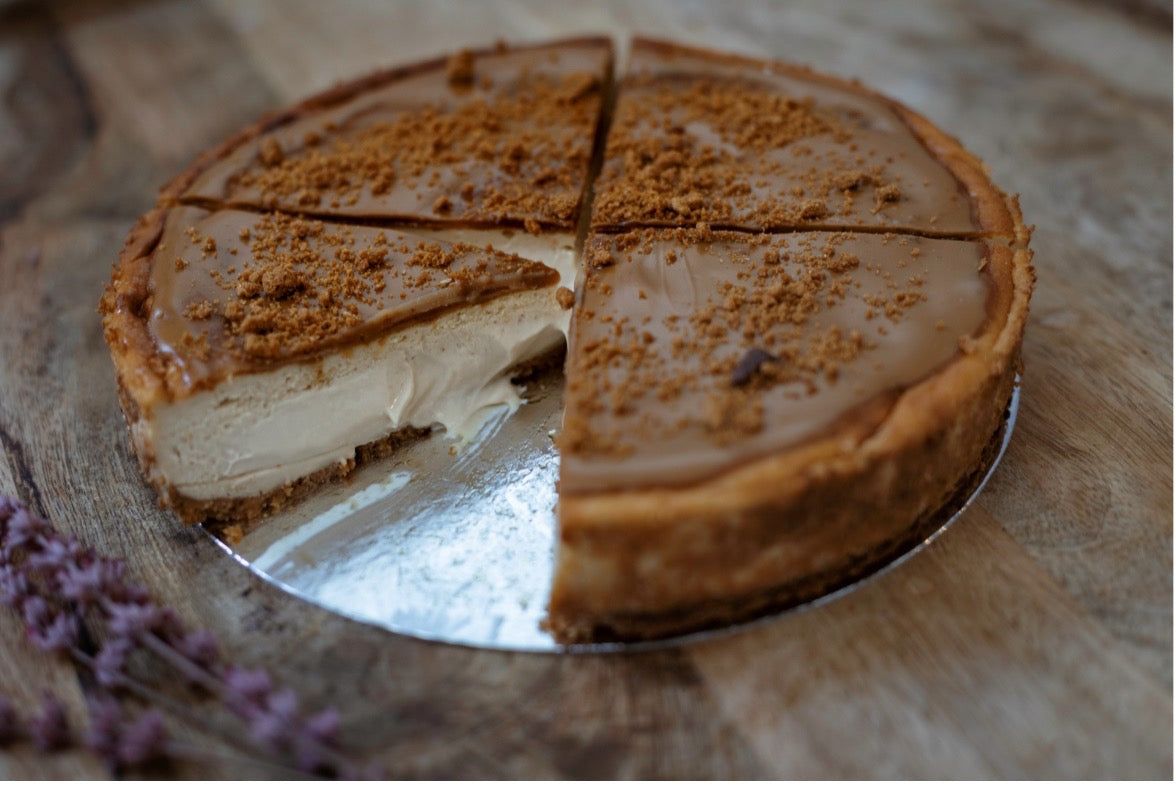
point(795, 329)
point(257, 352)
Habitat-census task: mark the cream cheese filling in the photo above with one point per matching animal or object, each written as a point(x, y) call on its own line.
point(256, 432)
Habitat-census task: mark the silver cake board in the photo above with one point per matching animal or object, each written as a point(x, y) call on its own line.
point(454, 541)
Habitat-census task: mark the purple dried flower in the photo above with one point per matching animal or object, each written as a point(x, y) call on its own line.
point(89, 583)
point(130, 593)
point(109, 662)
point(251, 685)
point(200, 646)
point(8, 506)
point(24, 527)
point(277, 722)
point(9, 722)
point(105, 728)
point(319, 731)
point(143, 740)
point(13, 585)
point(49, 729)
point(269, 730)
point(36, 611)
point(60, 634)
point(283, 704)
point(56, 553)
point(131, 621)
point(122, 743)
point(324, 726)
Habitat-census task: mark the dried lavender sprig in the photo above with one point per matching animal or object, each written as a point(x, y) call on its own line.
point(79, 580)
point(122, 740)
point(272, 714)
point(110, 675)
point(49, 728)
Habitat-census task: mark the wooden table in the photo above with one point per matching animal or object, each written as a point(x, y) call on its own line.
point(1034, 639)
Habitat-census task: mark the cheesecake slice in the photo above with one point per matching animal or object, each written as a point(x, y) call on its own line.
point(257, 352)
point(741, 143)
point(490, 138)
point(753, 419)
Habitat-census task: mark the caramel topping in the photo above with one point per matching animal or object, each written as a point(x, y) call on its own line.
point(742, 145)
point(489, 138)
point(693, 350)
point(519, 138)
point(282, 287)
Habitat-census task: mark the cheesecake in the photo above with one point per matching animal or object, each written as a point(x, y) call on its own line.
point(748, 144)
point(792, 311)
point(272, 346)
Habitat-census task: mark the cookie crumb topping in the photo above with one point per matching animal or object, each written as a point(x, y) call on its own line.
point(521, 155)
point(693, 330)
point(302, 284)
point(737, 152)
point(459, 70)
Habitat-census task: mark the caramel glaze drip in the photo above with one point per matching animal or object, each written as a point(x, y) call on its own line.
point(234, 291)
point(699, 138)
point(500, 137)
point(693, 351)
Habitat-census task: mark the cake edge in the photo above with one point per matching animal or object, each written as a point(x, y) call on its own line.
point(812, 587)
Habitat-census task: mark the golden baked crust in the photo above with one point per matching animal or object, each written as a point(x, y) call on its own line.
point(140, 369)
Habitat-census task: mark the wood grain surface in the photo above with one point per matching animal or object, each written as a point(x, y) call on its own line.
point(1034, 639)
